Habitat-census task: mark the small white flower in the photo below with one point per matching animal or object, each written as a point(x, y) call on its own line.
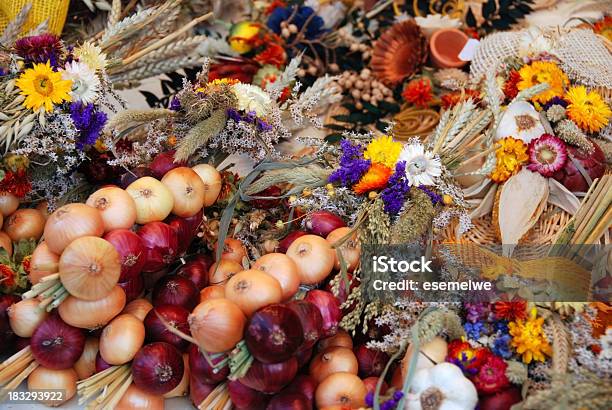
point(422, 167)
point(606, 345)
point(91, 55)
point(85, 83)
point(533, 43)
point(520, 120)
point(252, 98)
point(435, 22)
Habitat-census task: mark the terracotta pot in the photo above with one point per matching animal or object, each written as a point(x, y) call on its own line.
point(445, 46)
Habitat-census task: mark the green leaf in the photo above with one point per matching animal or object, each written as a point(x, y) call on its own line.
point(335, 127)
point(390, 107)
point(342, 118)
point(333, 138)
point(381, 126)
point(371, 108)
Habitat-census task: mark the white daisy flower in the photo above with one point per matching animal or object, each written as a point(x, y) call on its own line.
point(85, 83)
point(422, 167)
point(91, 55)
point(520, 120)
point(252, 98)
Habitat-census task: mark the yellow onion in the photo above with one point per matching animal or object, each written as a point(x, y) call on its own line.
point(92, 314)
point(6, 243)
point(153, 200)
point(86, 365)
point(121, 339)
point(350, 249)
point(283, 269)
point(333, 360)
point(64, 380)
point(25, 224)
point(340, 339)
point(42, 263)
point(135, 398)
point(70, 222)
point(183, 387)
point(116, 207)
point(139, 308)
point(227, 268)
point(341, 389)
point(187, 191)
point(212, 292)
point(217, 324)
point(233, 250)
point(253, 289)
point(25, 316)
point(8, 203)
point(314, 258)
point(212, 182)
point(43, 207)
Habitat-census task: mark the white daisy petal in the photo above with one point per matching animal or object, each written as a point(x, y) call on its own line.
point(422, 167)
point(85, 83)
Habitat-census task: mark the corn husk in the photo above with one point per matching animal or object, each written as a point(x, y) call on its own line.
point(522, 200)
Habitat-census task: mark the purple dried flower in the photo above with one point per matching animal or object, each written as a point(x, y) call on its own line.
point(39, 49)
point(394, 195)
point(474, 330)
point(352, 164)
point(234, 114)
point(88, 121)
point(435, 198)
point(476, 311)
point(175, 104)
point(369, 399)
point(250, 117)
point(262, 125)
point(555, 101)
point(398, 395)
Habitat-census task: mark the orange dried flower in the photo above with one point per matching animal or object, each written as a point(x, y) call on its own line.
point(451, 99)
point(418, 92)
point(510, 86)
point(376, 178)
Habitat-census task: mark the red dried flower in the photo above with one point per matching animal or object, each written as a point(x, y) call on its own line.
point(491, 378)
point(16, 183)
point(7, 277)
point(451, 99)
point(510, 86)
point(511, 310)
point(243, 71)
point(468, 358)
point(39, 49)
point(418, 92)
point(274, 5)
point(274, 54)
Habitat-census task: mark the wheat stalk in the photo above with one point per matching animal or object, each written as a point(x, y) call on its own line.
point(561, 345)
point(200, 134)
point(12, 30)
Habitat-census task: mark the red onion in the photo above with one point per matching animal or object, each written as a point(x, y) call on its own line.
point(311, 320)
point(273, 334)
point(289, 401)
point(304, 384)
point(372, 382)
point(131, 176)
point(164, 162)
point(303, 356)
point(133, 288)
point(21, 343)
point(160, 241)
point(7, 336)
point(196, 271)
point(158, 368)
point(132, 252)
point(343, 293)
point(272, 191)
point(329, 307)
point(371, 362)
point(57, 345)
point(198, 390)
point(101, 364)
point(176, 290)
point(270, 378)
point(183, 232)
point(245, 398)
point(151, 278)
point(503, 400)
point(202, 370)
point(176, 316)
point(284, 244)
point(195, 222)
point(323, 222)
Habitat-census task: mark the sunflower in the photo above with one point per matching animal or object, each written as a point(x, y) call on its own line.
point(587, 109)
point(543, 72)
point(43, 87)
point(383, 150)
point(376, 178)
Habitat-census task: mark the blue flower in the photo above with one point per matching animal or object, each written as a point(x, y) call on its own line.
point(474, 330)
point(175, 104)
point(88, 121)
point(394, 195)
point(501, 346)
point(435, 198)
point(555, 101)
point(302, 16)
point(352, 164)
point(501, 326)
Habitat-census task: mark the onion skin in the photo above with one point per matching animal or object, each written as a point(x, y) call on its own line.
point(137, 399)
point(139, 308)
point(8, 203)
point(86, 365)
point(283, 269)
point(372, 382)
point(371, 362)
point(273, 334)
point(89, 267)
point(153, 200)
point(183, 232)
point(25, 316)
point(64, 380)
point(187, 191)
point(158, 368)
point(342, 389)
point(57, 345)
point(233, 250)
point(245, 398)
point(289, 401)
point(217, 324)
point(340, 339)
point(198, 390)
point(116, 207)
point(270, 378)
point(101, 364)
point(303, 356)
point(212, 182)
point(6, 243)
point(183, 387)
point(304, 384)
point(163, 163)
point(43, 263)
point(311, 321)
point(227, 269)
point(272, 191)
point(323, 222)
point(25, 224)
point(314, 258)
point(333, 360)
point(284, 244)
point(160, 242)
point(350, 249)
point(196, 271)
point(329, 307)
point(156, 331)
point(121, 339)
point(252, 289)
point(131, 250)
point(212, 292)
point(92, 314)
point(204, 372)
point(175, 290)
point(70, 222)
point(133, 288)
point(7, 336)
point(503, 400)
